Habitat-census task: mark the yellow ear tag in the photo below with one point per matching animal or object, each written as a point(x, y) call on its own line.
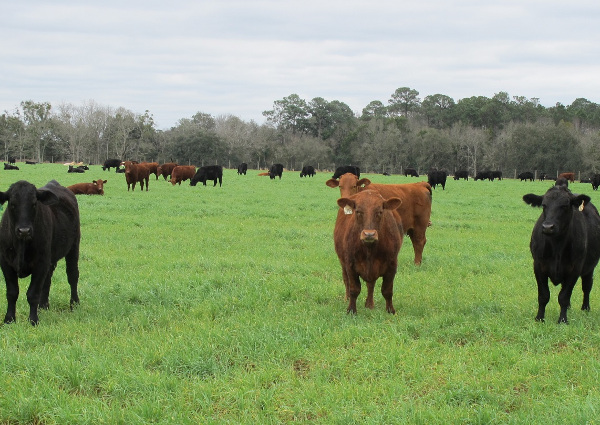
point(581, 206)
point(347, 210)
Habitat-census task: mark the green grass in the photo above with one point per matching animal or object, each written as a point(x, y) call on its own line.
point(226, 305)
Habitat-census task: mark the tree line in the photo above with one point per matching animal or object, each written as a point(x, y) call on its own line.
point(475, 133)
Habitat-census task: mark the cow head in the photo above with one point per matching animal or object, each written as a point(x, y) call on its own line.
point(23, 199)
point(349, 184)
point(558, 206)
point(99, 184)
point(368, 208)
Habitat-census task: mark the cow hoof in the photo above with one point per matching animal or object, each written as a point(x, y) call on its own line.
point(540, 319)
point(391, 310)
point(45, 305)
point(563, 320)
point(585, 307)
point(34, 322)
point(8, 320)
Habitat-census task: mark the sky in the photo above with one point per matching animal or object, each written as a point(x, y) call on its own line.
point(226, 57)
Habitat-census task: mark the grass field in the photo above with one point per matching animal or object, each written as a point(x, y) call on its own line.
point(226, 305)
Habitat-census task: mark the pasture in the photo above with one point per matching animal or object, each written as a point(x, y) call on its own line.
point(226, 305)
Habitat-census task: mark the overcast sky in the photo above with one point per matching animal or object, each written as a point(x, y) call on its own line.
point(175, 58)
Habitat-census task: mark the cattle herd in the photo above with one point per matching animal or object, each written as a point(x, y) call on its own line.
point(371, 222)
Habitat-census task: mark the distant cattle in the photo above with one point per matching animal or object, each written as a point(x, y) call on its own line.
point(496, 175)
point(75, 169)
point(483, 175)
point(461, 174)
point(10, 167)
point(30, 162)
point(166, 169)
point(307, 171)
point(436, 177)
point(152, 168)
point(544, 176)
point(263, 174)
point(40, 227)
point(208, 172)
point(110, 163)
point(276, 170)
point(595, 181)
point(182, 173)
point(413, 215)
point(367, 241)
point(12, 159)
point(526, 175)
point(135, 173)
point(340, 171)
point(410, 172)
point(96, 187)
point(565, 244)
point(242, 168)
point(569, 176)
point(561, 181)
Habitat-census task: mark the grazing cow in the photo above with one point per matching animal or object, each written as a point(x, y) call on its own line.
point(152, 168)
point(496, 175)
point(436, 177)
point(461, 174)
point(413, 215)
point(182, 173)
point(94, 188)
point(410, 172)
point(367, 241)
point(568, 176)
point(208, 172)
point(526, 175)
point(30, 162)
point(75, 170)
point(135, 173)
point(12, 159)
point(307, 171)
point(340, 171)
point(565, 244)
point(276, 170)
point(39, 227)
point(166, 169)
point(483, 175)
point(110, 163)
point(10, 167)
point(242, 168)
point(595, 181)
point(544, 176)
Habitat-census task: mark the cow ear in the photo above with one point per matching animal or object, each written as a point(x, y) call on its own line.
point(94, 182)
point(580, 201)
point(363, 182)
point(333, 183)
point(4, 196)
point(104, 181)
point(392, 203)
point(533, 200)
point(346, 204)
point(46, 197)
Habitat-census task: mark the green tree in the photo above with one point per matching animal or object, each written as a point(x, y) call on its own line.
point(404, 101)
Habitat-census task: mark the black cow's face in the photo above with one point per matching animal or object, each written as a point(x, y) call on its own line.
point(558, 206)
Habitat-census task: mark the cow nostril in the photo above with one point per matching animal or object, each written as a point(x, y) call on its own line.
point(24, 231)
point(547, 228)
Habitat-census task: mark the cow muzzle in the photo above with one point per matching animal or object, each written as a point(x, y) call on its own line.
point(548, 228)
point(368, 236)
point(24, 233)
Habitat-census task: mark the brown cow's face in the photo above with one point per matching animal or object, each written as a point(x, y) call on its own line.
point(349, 184)
point(99, 185)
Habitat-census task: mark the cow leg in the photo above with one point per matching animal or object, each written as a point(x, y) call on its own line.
point(353, 290)
point(418, 240)
point(12, 293)
point(543, 294)
point(586, 284)
point(369, 302)
point(45, 292)
point(147, 180)
point(564, 299)
point(38, 279)
point(387, 289)
point(345, 277)
point(72, 261)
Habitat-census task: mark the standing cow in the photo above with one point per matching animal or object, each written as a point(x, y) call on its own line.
point(276, 170)
point(436, 177)
point(242, 168)
point(208, 172)
point(111, 162)
point(367, 241)
point(39, 227)
point(307, 171)
point(182, 173)
point(565, 244)
point(525, 175)
point(340, 171)
point(135, 173)
point(166, 169)
point(461, 174)
point(412, 172)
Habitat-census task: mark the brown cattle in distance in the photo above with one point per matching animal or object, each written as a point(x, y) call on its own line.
point(414, 214)
point(152, 167)
point(569, 176)
point(367, 241)
point(94, 188)
point(166, 169)
point(136, 173)
point(182, 173)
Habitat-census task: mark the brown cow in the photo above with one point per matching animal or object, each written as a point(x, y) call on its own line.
point(93, 188)
point(414, 214)
point(182, 173)
point(136, 173)
point(367, 241)
point(166, 169)
point(569, 176)
point(152, 167)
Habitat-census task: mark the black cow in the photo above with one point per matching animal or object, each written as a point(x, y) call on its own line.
point(12, 159)
point(595, 181)
point(565, 244)
point(242, 168)
point(30, 162)
point(461, 174)
point(410, 172)
point(75, 169)
point(436, 177)
point(340, 171)
point(276, 170)
point(10, 167)
point(544, 176)
point(208, 172)
point(496, 175)
point(39, 227)
point(111, 162)
point(526, 175)
point(483, 175)
point(307, 171)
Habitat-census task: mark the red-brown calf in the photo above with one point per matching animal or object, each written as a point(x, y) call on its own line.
point(166, 169)
point(136, 173)
point(367, 241)
point(94, 188)
point(182, 173)
point(414, 214)
point(569, 176)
